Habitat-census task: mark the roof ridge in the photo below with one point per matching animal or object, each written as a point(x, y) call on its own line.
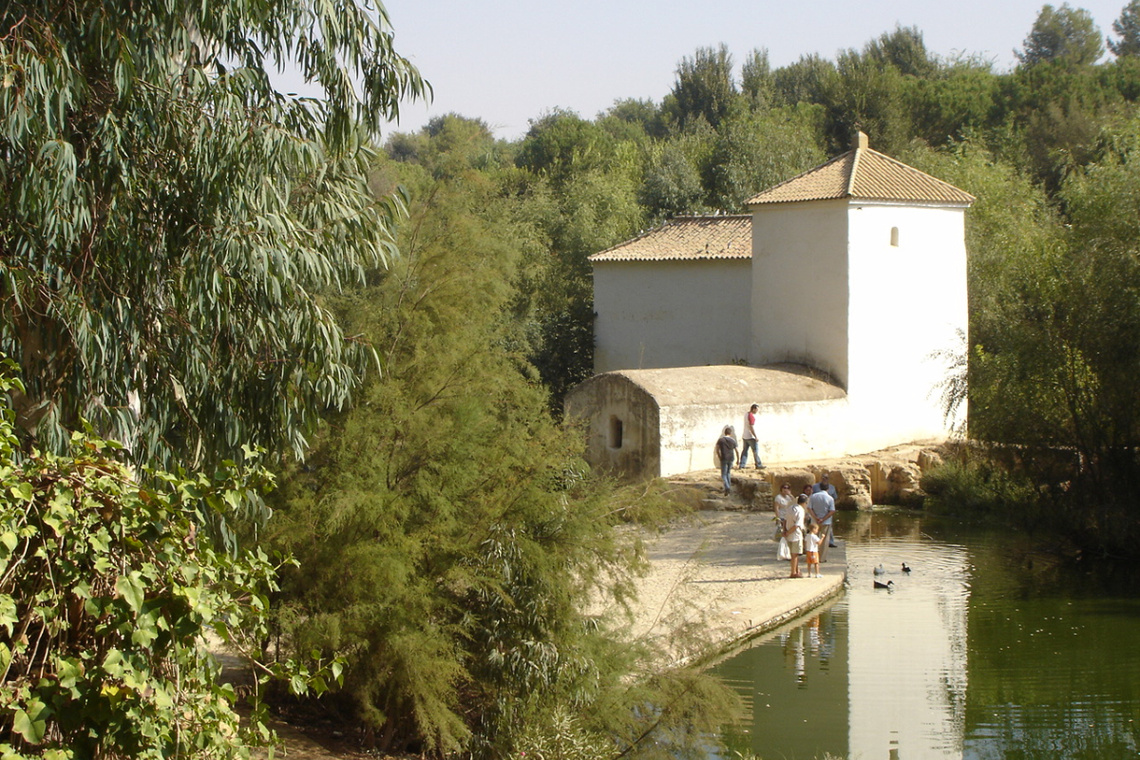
point(853, 171)
point(812, 170)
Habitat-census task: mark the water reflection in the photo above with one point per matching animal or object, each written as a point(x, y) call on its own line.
point(794, 685)
point(908, 665)
point(972, 655)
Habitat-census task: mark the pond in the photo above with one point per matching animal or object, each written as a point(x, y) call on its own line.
point(986, 649)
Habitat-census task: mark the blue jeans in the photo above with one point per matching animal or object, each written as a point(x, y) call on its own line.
point(726, 474)
point(750, 443)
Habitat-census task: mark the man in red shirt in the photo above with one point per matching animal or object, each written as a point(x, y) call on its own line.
point(749, 438)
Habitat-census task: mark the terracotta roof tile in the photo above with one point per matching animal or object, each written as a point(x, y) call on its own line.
point(864, 174)
point(687, 238)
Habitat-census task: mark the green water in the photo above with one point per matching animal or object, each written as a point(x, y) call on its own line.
point(987, 649)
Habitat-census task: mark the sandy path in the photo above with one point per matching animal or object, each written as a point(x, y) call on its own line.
point(716, 573)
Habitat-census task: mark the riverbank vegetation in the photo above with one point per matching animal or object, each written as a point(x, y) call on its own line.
point(202, 268)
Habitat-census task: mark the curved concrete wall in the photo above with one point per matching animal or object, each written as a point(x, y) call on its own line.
point(621, 424)
point(786, 432)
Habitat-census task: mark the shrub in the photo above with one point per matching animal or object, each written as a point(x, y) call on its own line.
point(970, 486)
point(106, 595)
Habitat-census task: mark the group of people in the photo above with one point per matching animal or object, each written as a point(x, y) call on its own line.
point(805, 520)
point(726, 448)
point(805, 523)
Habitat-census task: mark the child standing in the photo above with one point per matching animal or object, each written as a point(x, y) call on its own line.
point(811, 546)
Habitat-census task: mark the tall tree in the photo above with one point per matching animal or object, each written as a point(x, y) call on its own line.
point(756, 80)
point(581, 199)
point(870, 95)
point(905, 50)
point(672, 182)
point(806, 80)
point(451, 536)
point(961, 100)
point(1128, 28)
point(169, 219)
point(704, 87)
point(561, 143)
point(1062, 34)
point(756, 150)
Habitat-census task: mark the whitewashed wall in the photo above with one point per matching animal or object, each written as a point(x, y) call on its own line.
point(671, 314)
point(799, 307)
point(907, 303)
point(787, 432)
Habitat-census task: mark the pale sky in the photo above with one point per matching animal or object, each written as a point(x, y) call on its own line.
point(509, 61)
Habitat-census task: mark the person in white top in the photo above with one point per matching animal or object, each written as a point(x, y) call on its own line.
point(782, 502)
point(811, 547)
point(794, 534)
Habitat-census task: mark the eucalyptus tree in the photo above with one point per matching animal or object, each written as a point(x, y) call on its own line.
point(169, 219)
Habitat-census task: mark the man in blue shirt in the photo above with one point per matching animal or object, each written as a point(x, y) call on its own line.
point(822, 507)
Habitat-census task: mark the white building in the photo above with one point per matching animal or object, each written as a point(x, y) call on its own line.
point(653, 285)
point(855, 272)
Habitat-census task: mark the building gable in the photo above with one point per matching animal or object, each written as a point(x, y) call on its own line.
point(867, 175)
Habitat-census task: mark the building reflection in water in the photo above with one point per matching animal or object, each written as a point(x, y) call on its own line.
point(876, 674)
point(907, 669)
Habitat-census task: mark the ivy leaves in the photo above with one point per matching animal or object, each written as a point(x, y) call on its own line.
point(107, 594)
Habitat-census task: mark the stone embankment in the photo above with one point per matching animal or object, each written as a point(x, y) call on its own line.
point(890, 476)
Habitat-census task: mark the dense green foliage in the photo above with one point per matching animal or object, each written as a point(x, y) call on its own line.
point(194, 263)
point(168, 218)
point(106, 595)
point(450, 537)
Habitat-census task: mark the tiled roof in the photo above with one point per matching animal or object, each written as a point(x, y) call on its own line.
point(864, 174)
point(687, 238)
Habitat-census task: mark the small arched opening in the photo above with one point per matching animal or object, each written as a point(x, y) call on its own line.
point(615, 432)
